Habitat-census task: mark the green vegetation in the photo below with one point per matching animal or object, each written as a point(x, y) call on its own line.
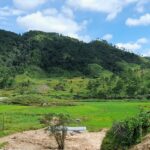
point(27, 90)
point(30, 63)
point(42, 73)
point(127, 133)
point(130, 84)
point(57, 125)
point(2, 145)
point(55, 53)
point(94, 115)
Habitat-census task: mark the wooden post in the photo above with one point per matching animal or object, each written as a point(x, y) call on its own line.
point(0, 122)
point(3, 122)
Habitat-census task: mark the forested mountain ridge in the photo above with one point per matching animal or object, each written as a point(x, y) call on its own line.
point(52, 51)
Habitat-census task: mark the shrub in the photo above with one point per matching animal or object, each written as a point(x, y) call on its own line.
point(25, 83)
point(145, 121)
point(126, 133)
point(6, 82)
point(59, 87)
point(94, 70)
point(57, 126)
point(26, 100)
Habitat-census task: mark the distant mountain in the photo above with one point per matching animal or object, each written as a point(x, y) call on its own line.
point(54, 52)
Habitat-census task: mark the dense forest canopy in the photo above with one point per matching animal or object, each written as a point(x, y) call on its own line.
point(52, 51)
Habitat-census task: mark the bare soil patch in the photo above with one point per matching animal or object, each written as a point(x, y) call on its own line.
point(40, 140)
point(144, 145)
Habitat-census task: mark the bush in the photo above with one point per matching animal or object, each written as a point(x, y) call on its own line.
point(145, 121)
point(6, 82)
point(26, 100)
point(35, 72)
point(57, 125)
point(124, 134)
point(94, 70)
point(59, 87)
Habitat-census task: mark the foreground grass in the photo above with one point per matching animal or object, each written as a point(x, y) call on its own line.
point(2, 145)
point(94, 115)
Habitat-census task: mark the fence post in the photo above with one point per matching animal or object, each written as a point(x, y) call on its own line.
point(3, 122)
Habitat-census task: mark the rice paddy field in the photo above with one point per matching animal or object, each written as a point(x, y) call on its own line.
point(93, 115)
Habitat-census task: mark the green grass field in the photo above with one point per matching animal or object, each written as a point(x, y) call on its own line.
point(94, 115)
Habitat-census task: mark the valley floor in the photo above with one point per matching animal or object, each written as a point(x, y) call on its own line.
point(94, 115)
point(40, 140)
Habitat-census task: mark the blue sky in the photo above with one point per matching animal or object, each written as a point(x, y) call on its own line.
point(125, 23)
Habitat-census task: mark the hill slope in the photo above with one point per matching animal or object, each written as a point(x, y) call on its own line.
point(54, 52)
point(30, 63)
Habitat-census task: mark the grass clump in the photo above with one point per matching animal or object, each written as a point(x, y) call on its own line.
point(26, 100)
point(2, 145)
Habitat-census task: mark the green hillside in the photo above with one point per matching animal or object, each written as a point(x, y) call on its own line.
point(54, 52)
point(53, 66)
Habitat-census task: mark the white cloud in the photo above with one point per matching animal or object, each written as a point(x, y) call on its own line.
point(85, 38)
point(140, 7)
point(50, 20)
point(48, 23)
point(147, 53)
point(68, 12)
point(143, 20)
point(142, 41)
point(133, 46)
point(107, 37)
point(109, 7)
point(129, 46)
point(28, 4)
point(50, 11)
point(7, 11)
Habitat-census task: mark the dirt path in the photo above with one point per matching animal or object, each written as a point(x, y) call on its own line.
point(40, 140)
point(144, 145)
